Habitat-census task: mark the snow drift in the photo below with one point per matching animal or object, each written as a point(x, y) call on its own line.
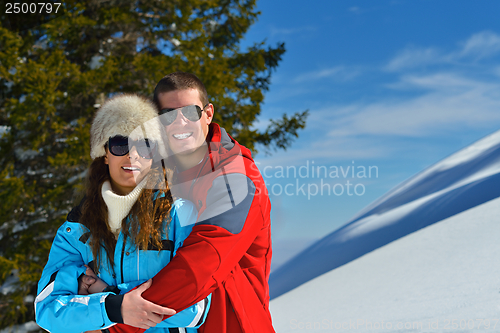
point(441, 278)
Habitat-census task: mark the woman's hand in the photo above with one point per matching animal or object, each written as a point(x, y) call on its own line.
point(98, 285)
point(84, 283)
point(138, 312)
point(90, 283)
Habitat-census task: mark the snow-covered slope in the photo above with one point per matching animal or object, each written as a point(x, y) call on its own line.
point(461, 181)
point(445, 277)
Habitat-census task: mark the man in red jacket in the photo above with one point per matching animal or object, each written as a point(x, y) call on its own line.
point(228, 252)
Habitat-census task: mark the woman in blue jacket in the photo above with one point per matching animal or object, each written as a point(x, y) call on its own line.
point(127, 228)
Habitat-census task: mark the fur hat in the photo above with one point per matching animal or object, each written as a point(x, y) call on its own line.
point(127, 115)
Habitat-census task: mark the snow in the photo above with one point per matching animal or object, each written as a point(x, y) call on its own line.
point(459, 182)
point(20, 226)
point(435, 279)
point(79, 176)
point(4, 130)
point(285, 249)
point(96, 61)
point(30, 326)
point(10, 284)
point(27, 154)
point(29, 299)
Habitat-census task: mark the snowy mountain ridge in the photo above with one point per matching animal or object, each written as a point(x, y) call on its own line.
point(459, 182)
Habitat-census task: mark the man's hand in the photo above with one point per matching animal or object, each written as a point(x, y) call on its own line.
point(138, 312)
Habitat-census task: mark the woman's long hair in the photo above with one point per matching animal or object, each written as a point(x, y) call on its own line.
point(145, 217)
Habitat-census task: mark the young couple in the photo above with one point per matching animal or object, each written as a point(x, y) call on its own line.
point(204, 237)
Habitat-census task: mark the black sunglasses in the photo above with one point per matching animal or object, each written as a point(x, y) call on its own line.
point(191, 112)
point(121, 145)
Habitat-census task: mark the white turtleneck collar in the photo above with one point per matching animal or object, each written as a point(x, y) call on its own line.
point(119, 205)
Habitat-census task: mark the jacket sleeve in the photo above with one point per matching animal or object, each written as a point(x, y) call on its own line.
point(193, 316)
point(58, 308)
point(225, 231)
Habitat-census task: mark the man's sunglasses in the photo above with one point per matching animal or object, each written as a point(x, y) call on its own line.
point(191, 112)
point(121, 145)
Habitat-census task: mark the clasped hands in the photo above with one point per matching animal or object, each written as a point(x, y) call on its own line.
point(135, 310)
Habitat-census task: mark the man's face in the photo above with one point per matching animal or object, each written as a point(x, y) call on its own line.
point(184, 135)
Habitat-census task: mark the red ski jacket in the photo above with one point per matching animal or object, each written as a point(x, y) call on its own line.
point(228, 252)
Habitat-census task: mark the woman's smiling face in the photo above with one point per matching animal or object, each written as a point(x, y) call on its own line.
point(126, 171)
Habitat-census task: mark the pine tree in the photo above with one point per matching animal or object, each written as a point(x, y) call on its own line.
point(55, 69)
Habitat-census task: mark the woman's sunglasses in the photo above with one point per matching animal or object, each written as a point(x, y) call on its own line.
point(191, 112)
point(121, 145)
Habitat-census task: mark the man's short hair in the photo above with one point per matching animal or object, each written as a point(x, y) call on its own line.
point(180, 81)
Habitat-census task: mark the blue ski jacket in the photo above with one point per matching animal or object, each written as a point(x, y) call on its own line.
point(58, 308)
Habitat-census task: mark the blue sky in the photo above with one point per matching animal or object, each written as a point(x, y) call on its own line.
point(392, 85)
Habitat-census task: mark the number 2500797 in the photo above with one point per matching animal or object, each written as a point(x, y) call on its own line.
point(32, 8)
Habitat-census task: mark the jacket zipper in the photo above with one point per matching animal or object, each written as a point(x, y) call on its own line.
point(123, 253)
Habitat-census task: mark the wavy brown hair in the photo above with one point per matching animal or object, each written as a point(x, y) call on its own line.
point(145, 217)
